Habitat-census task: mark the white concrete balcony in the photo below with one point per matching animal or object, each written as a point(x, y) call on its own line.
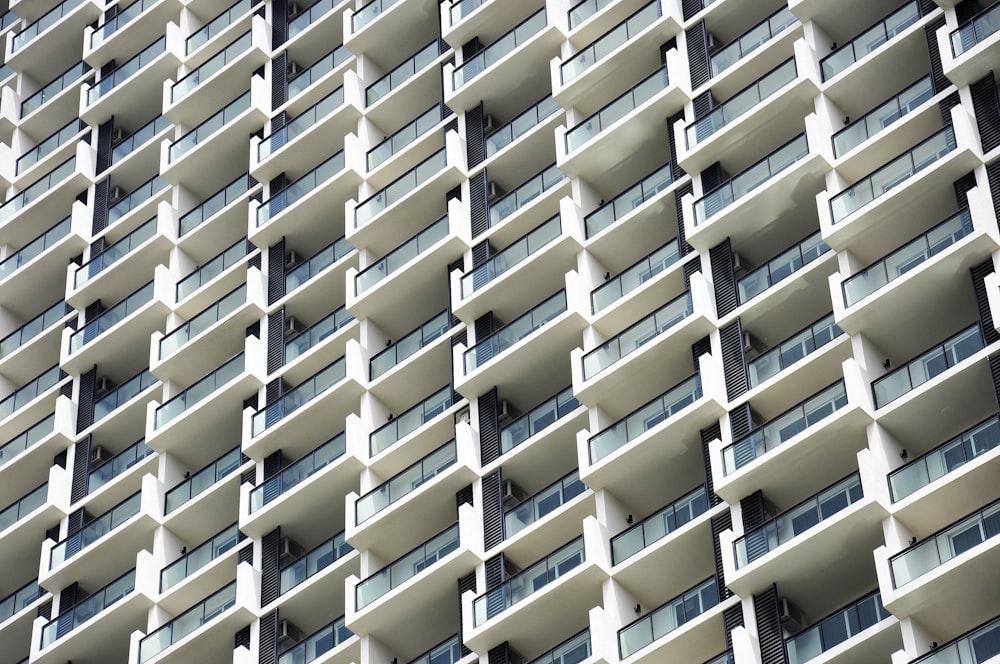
point(210, 29)
point(31, 400)
point(331, 644)
point(33, 157)
point(211, 221)
point(212, 278)
point(753, 53)
point(413, 83)
point(185, 505)
point(316, 79)
point(114, 480)
point(525, 137)
point(310, 282)
point(121, 411)
point(139, 23)
point(863, 629)
point(27, 455)
point(316, 26)
point(24, 521)
point(17, 613)
point(465, 19)
point(389, 157)
point(128, 209)
point(324, 338)
point(35, 106)
point(49, 40)
point(311, 586)
point(25, 350)
point(527, 204)
point(966, 50)
point(367, 26)
point(205, 564)
point(586, 21)
point(421, 356)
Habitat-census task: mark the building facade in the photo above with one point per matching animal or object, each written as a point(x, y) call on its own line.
point(499, 331)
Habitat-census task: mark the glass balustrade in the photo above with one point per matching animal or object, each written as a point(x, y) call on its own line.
point(124, 16)
point(499, 49)
point(321, 557)
point(750, 179)
point(109, 81)
point(139, 138)
point(462, 8)
point(405, 482)
point(212, 205)
point(299, 396)
point(409, 345)
point(406, 135)
point(46, 21)
point(611, 40)
point(836, 629)
point(234, 254)
point(24, 506)
point(124, 393)
point(27, 439)
point(978, 646)
point(300, 124)
point(215, 123)
point(205, 33)
point(661, 621)
point(84, 610)
point(644, 418)
point(369, 13)
point(310, 15)
point(210, 67)
point(634, 276)
point(298, 472)
point(111, 255)
point(33, 328)
point(521, 125)
point(317, 644)
point(318, 262)
point(36, 190)
point(543, 503)
point(514, 331)
point(911, 255)
point(781, 267)
point(400, 187)
point(722, 658)
point(30, 391)
point(19, 600)
point(927, 366)
point(519, 251)
point(573, 650)
point(201, 613)
point(193, 486)
point(405, 568)
point(632, 99)
point(791, 350)
point(795, 521)
point(525, 192)
point(318, 70)
point(627, 201)
point(448, 651)
point(975, 31)
point(199, 557)
point(637, 335)
point(111, 317)
point(784, 427)
point(657, 526)
point(8, 19)
point(944, 545)
point(203, 320)
point(62, 82)
point(882, 116)
point(411, 420)
point(201, 390)
point(50, 144)
point(34, 248)
point(537, 419)
point(401, 256)
point(750, 41)
point(135, 198)
point(945, 458)
point(870, 40)
point(316, 333)
point(95, 530)
point(585, 9)
point(118, 464)
point(529, 581)
point(403, 72)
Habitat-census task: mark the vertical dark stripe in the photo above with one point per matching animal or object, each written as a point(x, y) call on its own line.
point(105, 134)
point(962, 186)
point(101, 192)
point(690, 268)
point(492, 511)
point(279, 25)
point(276, 340)
point(995, 375)
point(993, 177)
point(690, 8)
point(719, 524)
point(938, 79)
point(740, 421)
point(772, 641)
point(713, 432)
point(268, 638)
point(270, 571)
point(85, 406)
point(479, 210)
point(723, 278)
point(81, 470)
point(242, 638)
point(499, 654)
point(945, 106)
point(987, 109)
point(276, 272)
point(465, 584)
point(966, 10)
point(733, 359)
point(679, 194)
point(697, 47)
point(752, 508)
point(475, 143)
point(731, 619)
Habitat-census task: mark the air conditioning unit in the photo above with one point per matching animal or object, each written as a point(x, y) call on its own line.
point(293, 68)
point(290, 550)
point(463, 415)
point(291, 260)
point(292, 327)
point(751, 347)
point(792, 618)
point(119, 135)
point(507, 413)
point(288, 635)
point(740, 265)
point(116, 194)
point(293, 9)
point(512, 494)
point(488, 124)
point(98, 456)
point(493, 192)
point(103, 386)
point(713, 46)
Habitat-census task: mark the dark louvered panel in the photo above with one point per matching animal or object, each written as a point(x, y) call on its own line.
point(719, 524)
point(272, 465)
point(724, 278)
point(945, 106)
point(279, 26)
point(484, 326)
point(242, 638)
point(987, 108)
point(276, 340)
point(966, 10)
point(76, 521)
point(105, 134)
point(463, 496)
point(962, 186)
point(731, 619)
point(494, 571)
point(753, 511)
point(279, 86)
point(740, 421)
point(489, 428)
point(926, 6)
point(81, 470)
point(767, 609)
point(60, 459)
point(701, 347)
point(475, 143)
point(481, 253)
point(276, 272)
point(979, 272)
point(709, 434)
point(679, 194)
point(101, 192)
point(52, 533)
point(995, 374)
point(470, 48)
point(270, 550)
point(697, 47)
point(690, 7)
point(478, 208)
point(993, 177)
point(938, 80)
point(68, 597)
point(45, 610)
point(689, 269)
point(703, 104)
point(245, 554)
point(268, 639)
point(499, 654)
point(465, 584)
point(733, 361)
point(85, 405)
point(66, 390)
point(492, 513)
point(711, 179)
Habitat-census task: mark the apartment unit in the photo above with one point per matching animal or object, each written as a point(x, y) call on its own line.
point(499, 331)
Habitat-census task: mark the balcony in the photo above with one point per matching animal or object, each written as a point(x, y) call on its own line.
point(297, 472)
point(155, 62)
point(404, 483)
point(543, 503)
point(101, 604)
point(117, 23)
point(27, 440)
point(96, 530)
point(412, 419)
point(781, 267)
point(527, 122)
point(15, 603)
point(313, 562)
point(207, 322)
point(627, 203)
point(315, 81)
point(229, 20)
point(23, 506)
point(796, 348)
point(141, 245)
point(201, 390)
point(213, 271)
point(573, 650)
point(837, 631)
point(47, 197)
point(686, 614)
point(869, 41)
point(326, 639)
point(976, 645)
point(318, 333)
point(537, 420)
point(111, 317)
point(402, 570)
point(309, 283)
point(418, 73)
point(412, 135)
point(47, 21)
point(321, 187)
point(142, 145)
point(610, 41)
point(217, 203)
point(39, 328)
point(52, 147)
point(965, 50)
point(141, 201)
point(659, 525)
point(421, 356)
point(120, 397)
point(27, 268)
point(117, 465)
point(24, 404)
point(201, 481)
point(751, 44)
point(207, 561)
point(57, 93)
point(527, 192)
point(412, 343)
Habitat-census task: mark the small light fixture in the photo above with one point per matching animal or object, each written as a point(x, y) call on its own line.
point(184, 550)
point(638, 609)
point(607, 275)
point(390, 418)
point(847, 120)
point(934, 645)
point(887, 363)
point(913, 540)
point(903, 455)
point(388, 342)
point(833, 46)
point(628, 519)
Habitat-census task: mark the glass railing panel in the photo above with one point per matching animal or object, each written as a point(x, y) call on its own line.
point(234, 254)
point(882, 116)
point(86, 609)
point(976, 647)
point(95, 530)
point(407, 567)
point(54, 87)
point(927, 366)
point(638, 95)
point(318, 70)
point(499, 49)
point(114, 253)
point(405, 136)
point(32, 328)
point(136, 197)
point(19, 599)
point(943, 459)
point(123, 394)
point(573, 650)
point(409, 345)
point(411, 420)
point(892, 174)
point(836, 629)
point(202, 480)
point(211, 66)
point(203, 320)
point(521, 125)
point(753, 177)
point(634, 276)
point(117, 465)
point(529, 581)
point(781, 267)
point(537, 419)
point(586, 58)
point(321, 557)
point(124, 71)
point(795, 521)
point(461, 8)
point(402, 73)
point(24, 506)
point(111, 317)
point(447, 652)
point(909, 256)
point(34, 248)
point(36, 190)
point(542, 503)
point(26, 440)
point(628, 200)
point(298, 472)
point(405, 482)
point(321, 260)
point(214, 203)
point(300, 124)
point(299, 396)
point(217, 25)
point(514, 331)
point(47, 20)
point(941, 547)
point(199, 391)
point(317, 644)
point(793, 349)
point(300, 188)
point(750, 41)
point(784, 427)
point(400, 187)
point(401, 255)
point(48, 145)
point(665, 619)
point(317, 332)
point(308, 16)
point(227, 114)
point(198, 557)
point(512, 255)
point(525, 192)
point(973, 32)
point(119, 21)
point(637, 335)
point(369, 13)
point(205, 611)
point(657, 526)
point(138, 138)
point(644, 418)
point(30, 391)
point(870, 40)
point(582, 11)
